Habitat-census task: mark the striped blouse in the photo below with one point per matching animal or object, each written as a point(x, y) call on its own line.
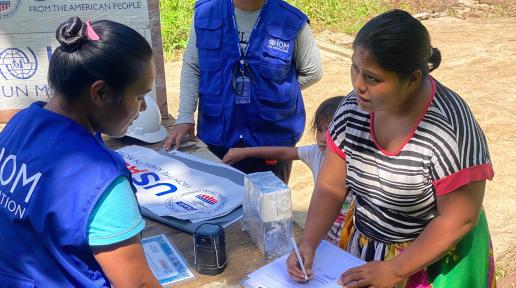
point(396, 193)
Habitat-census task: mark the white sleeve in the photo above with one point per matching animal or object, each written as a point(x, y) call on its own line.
point(307, 154)
point(312, 157)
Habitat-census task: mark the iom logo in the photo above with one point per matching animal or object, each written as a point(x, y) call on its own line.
point(8, 8)
point(15, 63)
point(278, 45)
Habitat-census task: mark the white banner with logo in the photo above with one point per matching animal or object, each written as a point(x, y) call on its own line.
point(170, 187)
point(27, 40)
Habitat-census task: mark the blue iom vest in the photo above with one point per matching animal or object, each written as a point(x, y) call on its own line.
point(275, 114)
point(52, 172)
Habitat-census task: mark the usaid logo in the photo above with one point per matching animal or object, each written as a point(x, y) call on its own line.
point(278, 45)
point(207, 198)
point(202, 201)
point(8, 8)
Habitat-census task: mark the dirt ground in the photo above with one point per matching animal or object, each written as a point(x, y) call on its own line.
point(479, 63)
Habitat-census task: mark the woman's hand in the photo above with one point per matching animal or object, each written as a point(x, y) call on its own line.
point(307, 253)
point(234, 155)
point(378, 274)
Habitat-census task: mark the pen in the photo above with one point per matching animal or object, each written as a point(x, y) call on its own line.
point(299, 258)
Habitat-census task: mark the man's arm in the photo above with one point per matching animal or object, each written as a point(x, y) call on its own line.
point(188, 94)
point(189, 84)
point(307, 58)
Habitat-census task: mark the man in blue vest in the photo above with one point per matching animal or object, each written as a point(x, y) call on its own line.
point(245, 64)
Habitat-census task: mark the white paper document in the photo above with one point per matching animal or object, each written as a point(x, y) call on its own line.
point(168, 187)
point(329, 263)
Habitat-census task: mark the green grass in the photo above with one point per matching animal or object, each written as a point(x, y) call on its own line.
point(176, 18)
point(339, 15)
point(336, 15)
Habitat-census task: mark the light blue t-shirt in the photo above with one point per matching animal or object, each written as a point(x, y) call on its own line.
point(116, 217)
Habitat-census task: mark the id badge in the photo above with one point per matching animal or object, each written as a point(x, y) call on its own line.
point(243, 90)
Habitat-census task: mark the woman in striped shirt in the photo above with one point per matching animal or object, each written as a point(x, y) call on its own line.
point(416, 160)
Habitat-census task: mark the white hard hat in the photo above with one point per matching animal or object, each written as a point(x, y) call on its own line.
point(147, 127)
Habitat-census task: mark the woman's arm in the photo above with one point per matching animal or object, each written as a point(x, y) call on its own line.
point(125, 264)
point(329, 194)
point(267, 152)
point(458, 214)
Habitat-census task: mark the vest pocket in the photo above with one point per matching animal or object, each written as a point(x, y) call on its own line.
point(279, 42)
point(15, 280)
point(273, 127)
point(274, 94)
point(275, 70)
point(274, 115)
point(211, 76)
point(277, 52)
point(208, 32)
point(211, 123)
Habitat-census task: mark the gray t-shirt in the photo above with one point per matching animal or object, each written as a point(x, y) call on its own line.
point(306, 57)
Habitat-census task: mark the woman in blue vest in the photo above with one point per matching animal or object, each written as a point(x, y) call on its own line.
point(68, 212)
point(245, 64)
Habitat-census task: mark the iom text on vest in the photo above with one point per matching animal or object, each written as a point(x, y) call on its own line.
point(13, 177)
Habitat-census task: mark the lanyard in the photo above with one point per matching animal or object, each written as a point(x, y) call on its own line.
point(240, 52)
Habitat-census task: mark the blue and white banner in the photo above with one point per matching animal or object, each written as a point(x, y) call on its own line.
point(27, 40)
point(170, 187)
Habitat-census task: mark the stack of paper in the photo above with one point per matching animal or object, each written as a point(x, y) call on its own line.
point(169, 187)
point(329, 263)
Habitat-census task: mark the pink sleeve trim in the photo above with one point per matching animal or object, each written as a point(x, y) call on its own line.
point(331, 145)
point(454, 181)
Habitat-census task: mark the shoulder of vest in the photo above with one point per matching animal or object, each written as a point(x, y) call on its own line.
point(292, 9)
point(199, 3)
point(209, 8)
point(104, 156)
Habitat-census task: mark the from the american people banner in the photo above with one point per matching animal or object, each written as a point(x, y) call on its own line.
point(27, 40)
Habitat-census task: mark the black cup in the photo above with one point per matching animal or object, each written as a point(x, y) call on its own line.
point(209, 249)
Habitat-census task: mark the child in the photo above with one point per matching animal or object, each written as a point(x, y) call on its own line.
point(311, 155)
point(416, 161)
point(77, 222)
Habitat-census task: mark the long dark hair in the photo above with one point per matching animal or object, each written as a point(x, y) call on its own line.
point(399, 42)
point(117, 58)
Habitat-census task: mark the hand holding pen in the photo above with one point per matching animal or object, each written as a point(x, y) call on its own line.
point(299, 263)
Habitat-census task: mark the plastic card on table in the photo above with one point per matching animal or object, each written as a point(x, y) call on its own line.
point(165, 261)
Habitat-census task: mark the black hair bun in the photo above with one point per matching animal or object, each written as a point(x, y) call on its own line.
point(72, 33)
point(435, 59)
